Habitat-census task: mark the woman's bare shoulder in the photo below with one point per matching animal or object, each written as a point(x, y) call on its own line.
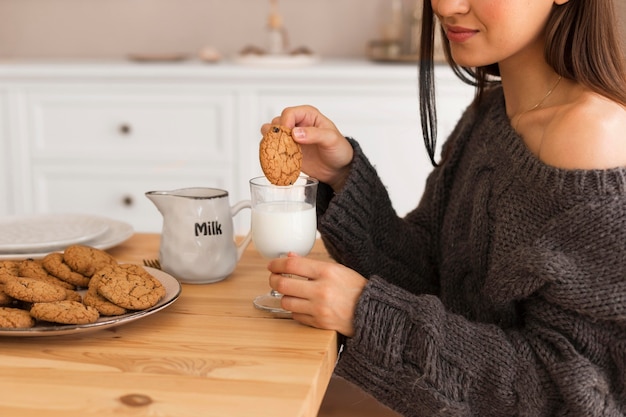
point(589, 133)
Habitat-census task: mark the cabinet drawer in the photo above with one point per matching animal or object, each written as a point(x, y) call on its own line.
point(117, 192)
point(190, 126)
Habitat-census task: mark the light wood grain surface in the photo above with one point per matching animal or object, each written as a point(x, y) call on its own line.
point(211, 353)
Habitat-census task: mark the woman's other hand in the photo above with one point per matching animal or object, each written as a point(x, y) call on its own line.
point(326, 298)
point(326, 152)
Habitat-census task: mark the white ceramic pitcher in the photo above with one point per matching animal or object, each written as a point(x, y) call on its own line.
point(197, 241)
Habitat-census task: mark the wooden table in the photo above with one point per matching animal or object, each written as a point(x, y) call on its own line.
point(211, 353)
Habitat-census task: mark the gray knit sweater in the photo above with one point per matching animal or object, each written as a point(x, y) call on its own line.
point(502, 294)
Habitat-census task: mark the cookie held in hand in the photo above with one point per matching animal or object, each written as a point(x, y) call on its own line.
point(280, 156)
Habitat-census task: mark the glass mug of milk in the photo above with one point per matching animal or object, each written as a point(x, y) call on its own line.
point(283, 221)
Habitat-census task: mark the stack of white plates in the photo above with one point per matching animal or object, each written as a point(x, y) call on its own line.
point(38, 235)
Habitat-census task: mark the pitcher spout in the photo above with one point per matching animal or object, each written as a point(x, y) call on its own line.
point(161, 199)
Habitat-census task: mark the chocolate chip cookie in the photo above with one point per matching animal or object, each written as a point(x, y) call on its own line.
point(33, 290)
point(94, 299)
point(280, 156)
point(129, 286)
point(86, 260)
point(14, 318)
point(31, 268)
point(64, 312)
point(55, 265)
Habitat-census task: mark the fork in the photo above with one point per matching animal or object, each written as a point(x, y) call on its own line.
point(152, 263)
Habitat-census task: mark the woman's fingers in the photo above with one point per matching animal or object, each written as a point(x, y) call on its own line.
point(304, 116)
point(326, 152)
point(327, 295)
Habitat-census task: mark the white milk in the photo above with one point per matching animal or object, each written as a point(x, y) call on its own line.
point(282, 227)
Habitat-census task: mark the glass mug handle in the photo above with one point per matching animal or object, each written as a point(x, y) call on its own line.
point(246, 241)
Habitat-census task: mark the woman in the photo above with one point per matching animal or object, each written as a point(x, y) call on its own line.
point(504, 292)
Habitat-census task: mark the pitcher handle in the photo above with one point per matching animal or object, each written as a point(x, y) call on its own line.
point(246, 241)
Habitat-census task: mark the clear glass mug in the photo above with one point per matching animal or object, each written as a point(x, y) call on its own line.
point(283, 220)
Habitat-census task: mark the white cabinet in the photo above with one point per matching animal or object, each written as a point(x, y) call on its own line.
point(98, 148)
point(93, 138)
point(5, 155)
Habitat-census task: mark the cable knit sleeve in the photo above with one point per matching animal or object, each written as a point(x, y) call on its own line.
point(361, 229)
point(567, 356)
point(503, 293)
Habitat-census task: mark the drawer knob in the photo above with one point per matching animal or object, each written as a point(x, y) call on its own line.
point(125, 129)
point(128, 201)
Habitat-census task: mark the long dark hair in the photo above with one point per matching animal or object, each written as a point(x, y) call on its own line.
point(582, 44)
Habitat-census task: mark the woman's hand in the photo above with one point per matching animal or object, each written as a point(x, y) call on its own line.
point(325, 299)
point(326, 152)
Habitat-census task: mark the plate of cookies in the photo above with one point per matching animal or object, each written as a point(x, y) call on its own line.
point(79, 290)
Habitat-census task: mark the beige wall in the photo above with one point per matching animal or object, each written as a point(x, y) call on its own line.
point(115, 28)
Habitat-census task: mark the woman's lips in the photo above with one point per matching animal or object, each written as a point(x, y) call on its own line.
point(459, 34)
